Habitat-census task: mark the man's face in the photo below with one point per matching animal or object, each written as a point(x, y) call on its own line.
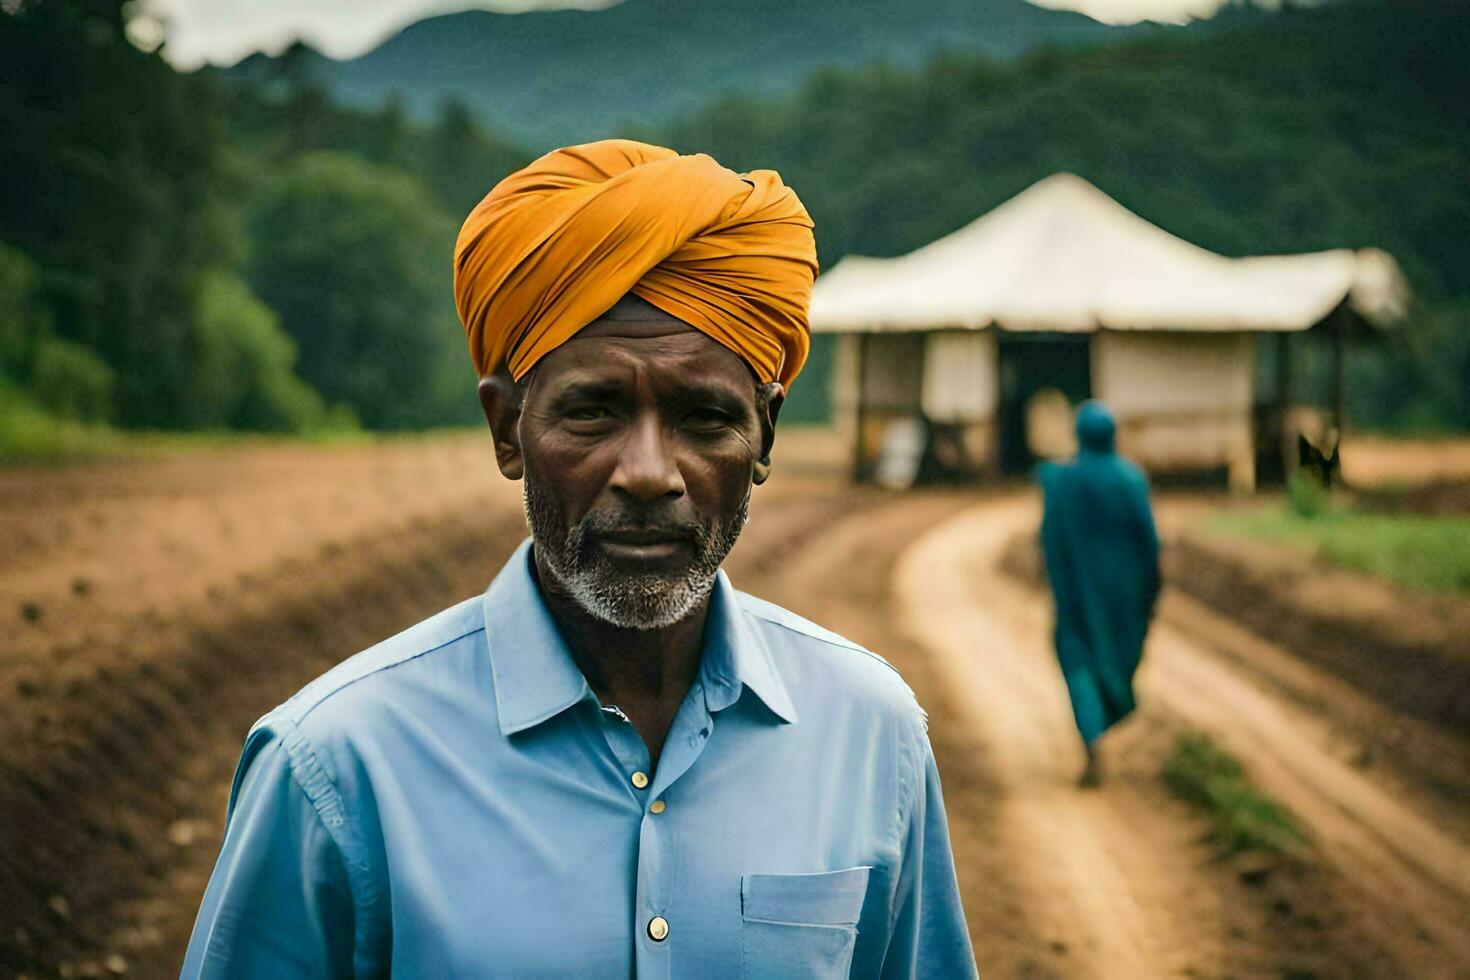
point(639, 438)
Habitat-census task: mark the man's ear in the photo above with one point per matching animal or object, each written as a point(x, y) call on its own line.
point(769, 398)
point(502, 404)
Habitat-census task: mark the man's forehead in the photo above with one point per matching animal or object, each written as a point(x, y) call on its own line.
point(615, 343)
point(633, 329)
point(634, 317)
point(635, 336)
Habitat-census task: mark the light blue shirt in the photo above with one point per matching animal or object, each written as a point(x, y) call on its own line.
point(455, 802)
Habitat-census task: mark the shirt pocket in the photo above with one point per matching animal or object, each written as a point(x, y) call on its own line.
point(800, 925)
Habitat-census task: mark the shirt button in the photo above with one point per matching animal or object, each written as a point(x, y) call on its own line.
point(640, 779)
point(658, 928)
point(657, 807)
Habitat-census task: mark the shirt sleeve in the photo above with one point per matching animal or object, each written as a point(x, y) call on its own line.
point(930, 937)
point(279, 903)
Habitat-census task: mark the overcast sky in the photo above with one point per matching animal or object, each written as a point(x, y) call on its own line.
point(224, 31)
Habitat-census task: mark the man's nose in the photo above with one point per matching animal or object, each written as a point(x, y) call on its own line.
point(647, 468)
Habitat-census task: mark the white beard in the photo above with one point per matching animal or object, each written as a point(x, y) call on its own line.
point(637, 602)
point(644, 601)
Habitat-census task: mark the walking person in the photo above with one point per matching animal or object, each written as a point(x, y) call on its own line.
point(1102, 558)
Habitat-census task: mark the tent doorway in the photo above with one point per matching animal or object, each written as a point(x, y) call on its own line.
point(1029, 364)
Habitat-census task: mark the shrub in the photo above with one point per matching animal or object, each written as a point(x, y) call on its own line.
point(242, 372)
point(1242, 818)
point(70, 381)
point(21, 317)
point(355, 259)
point(1307, 497)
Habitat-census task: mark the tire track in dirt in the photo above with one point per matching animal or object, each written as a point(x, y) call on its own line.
point(1400, 888)
point(1410, 881)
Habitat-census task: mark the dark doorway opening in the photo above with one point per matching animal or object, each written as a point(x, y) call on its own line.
point(1030, 363)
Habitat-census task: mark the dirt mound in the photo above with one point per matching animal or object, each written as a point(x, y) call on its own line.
point(118, 768)
point(1409, 651)
point(154, 607)
point(116, 749)
point(1439, 498)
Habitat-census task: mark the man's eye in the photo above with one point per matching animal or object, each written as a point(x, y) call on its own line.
point(588, 413)
point(708, 417)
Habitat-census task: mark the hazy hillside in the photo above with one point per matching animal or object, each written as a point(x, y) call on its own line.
point(550, 77)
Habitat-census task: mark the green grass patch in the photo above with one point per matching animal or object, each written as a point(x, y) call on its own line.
point(1242, 818)
point(29, 433)
point(1427, 552)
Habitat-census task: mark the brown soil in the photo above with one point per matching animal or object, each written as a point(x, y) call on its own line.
point(1384, 669)
point(1378, 461)
point(1389, 878)
point(217, 584)
point(1441, 498)
point(1410, 651)
point(123, 703)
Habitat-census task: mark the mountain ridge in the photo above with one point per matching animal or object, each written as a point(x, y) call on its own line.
point(547, 77)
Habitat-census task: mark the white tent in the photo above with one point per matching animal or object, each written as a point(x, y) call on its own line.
point(1063, 256)
point(1175, 324)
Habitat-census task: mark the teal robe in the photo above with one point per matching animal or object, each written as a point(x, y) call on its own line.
point(1102, 558)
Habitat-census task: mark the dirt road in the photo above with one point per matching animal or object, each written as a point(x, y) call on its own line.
point(123, 717)
point(1108, 868)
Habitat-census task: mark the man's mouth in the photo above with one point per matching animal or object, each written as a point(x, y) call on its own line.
point(653, 545)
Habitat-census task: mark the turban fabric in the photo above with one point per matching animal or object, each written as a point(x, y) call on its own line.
point(554, 246)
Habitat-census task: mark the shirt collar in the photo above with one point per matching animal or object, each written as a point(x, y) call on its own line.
point(537, 679)
point(535, 675)
point(736, 657)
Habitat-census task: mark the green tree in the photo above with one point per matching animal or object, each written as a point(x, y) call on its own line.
point(70, 381)
point(22, 317)
point(242, 373)
point(61, 376)
point(460, 161)
point(116, 184)
point(355, 259)
point(391, 134)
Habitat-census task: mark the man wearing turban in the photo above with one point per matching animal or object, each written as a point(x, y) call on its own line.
point(612, 763)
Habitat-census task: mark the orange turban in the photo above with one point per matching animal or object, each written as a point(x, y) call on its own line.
point(554, 246)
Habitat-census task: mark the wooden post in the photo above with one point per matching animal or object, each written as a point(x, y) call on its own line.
point(1339, 370)
point(1283, 372)
point(1333, 451)
point(858, 469)
point(1285, 440)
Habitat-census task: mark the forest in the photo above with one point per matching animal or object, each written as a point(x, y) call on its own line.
point(203, 252)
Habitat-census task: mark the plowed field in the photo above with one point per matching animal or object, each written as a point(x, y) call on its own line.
point(153, 609)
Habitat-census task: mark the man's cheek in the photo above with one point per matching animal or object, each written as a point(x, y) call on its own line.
point(577, 478)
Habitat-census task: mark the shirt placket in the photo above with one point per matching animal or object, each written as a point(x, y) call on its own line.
point(656, 924)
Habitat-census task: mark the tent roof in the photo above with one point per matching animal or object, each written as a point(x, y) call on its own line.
point(1063, 256)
